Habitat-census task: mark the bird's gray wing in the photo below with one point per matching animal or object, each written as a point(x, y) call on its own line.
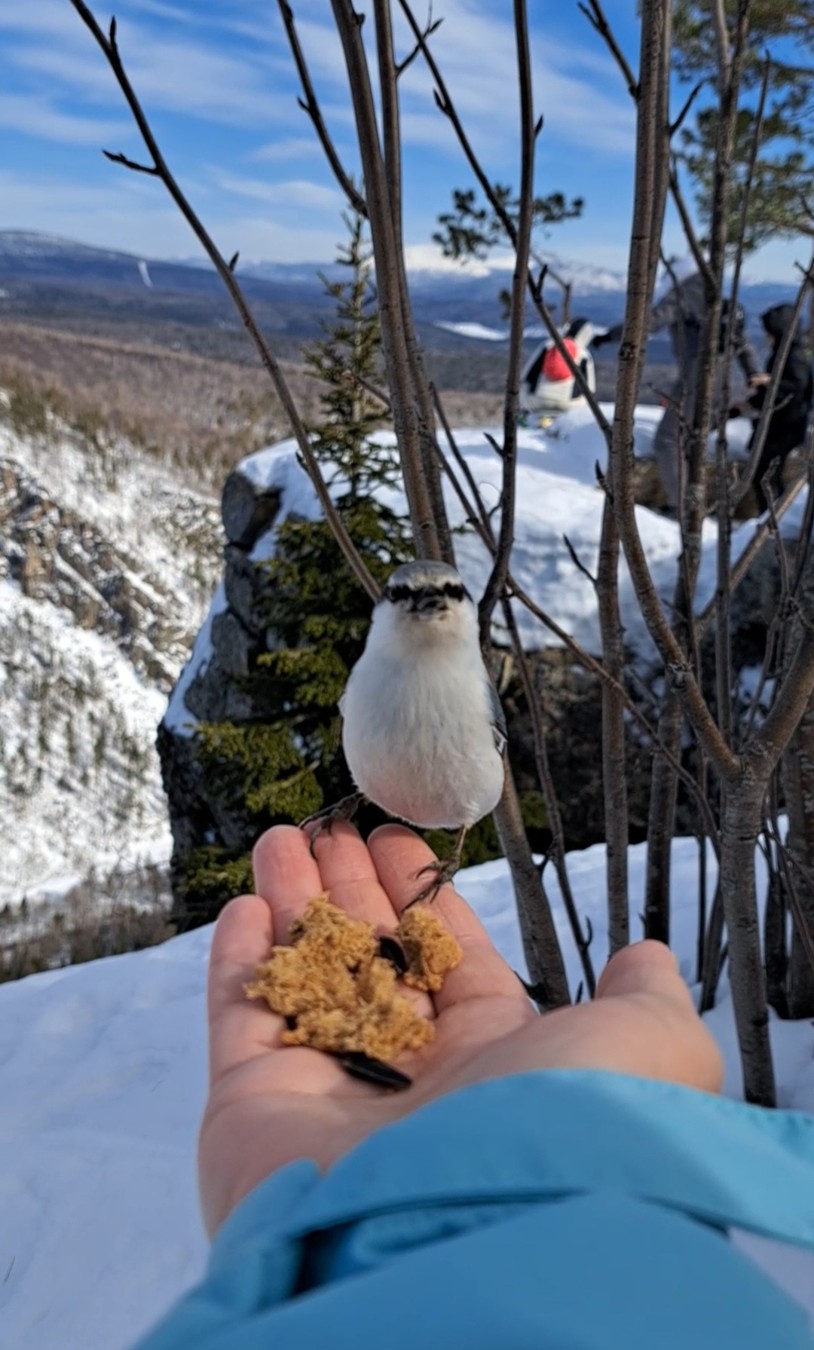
point(500, 731)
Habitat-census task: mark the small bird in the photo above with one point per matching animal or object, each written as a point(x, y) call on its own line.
point(423, 731)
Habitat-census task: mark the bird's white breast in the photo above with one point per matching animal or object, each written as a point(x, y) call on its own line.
point(417, 735)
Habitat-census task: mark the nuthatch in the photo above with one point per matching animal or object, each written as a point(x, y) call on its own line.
point(424, 734)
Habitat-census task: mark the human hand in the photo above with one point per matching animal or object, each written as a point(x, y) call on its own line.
point(757, 381)
point(270, 1104)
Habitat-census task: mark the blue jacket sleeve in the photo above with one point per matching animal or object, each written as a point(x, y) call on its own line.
point(551, 1209)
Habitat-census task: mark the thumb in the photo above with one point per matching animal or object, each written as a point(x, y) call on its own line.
point(647, 967)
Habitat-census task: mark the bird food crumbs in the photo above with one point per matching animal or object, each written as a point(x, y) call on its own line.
point(338, 994)
point(430, 950)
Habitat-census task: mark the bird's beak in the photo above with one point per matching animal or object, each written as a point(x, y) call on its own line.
point(429, 602)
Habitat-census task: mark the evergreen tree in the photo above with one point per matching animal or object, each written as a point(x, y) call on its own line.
point(472, 229)
point(783, 31)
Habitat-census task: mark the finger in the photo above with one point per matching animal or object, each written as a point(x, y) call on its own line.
point(350, 877)
point(286, 874)
point(669, 1039)
point(289, 875)
point(352, 881)
point(239, 1028)
point(286, 878)
point(647, 967)
point(399, 855)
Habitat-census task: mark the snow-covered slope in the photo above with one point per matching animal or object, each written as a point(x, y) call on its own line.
point(107, 565)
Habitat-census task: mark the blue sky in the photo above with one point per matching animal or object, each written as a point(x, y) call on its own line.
point(218, 86)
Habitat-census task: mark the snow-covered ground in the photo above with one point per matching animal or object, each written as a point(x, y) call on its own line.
point(557, 496)
point(103, 1070)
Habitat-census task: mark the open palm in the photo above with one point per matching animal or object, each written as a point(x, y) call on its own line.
point(270, 1104)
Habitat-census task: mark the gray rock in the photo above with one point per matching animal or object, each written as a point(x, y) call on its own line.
point(247, 509)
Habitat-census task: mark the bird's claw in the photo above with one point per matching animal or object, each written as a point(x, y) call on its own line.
point(323, 821)
point(443, 871)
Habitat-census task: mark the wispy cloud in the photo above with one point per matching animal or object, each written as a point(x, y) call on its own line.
point(170, 75)
point(34, 115)
point(575, 109)
point(293, 195)
point(287, 148)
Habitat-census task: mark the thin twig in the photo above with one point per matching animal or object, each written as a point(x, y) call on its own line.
point(310, 104)
point(496, 583)
point(685, 110)
point(557, 851)
point(577, 561)
point(596, 17)
point(591, 664)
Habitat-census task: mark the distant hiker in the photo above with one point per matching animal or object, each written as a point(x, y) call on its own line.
point(681, 306)
point(548, 386)
point(789, 418)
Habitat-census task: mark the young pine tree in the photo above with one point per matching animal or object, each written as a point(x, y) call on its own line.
point(285, 761)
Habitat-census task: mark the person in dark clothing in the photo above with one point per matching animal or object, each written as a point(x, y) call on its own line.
point(681, 306)
point(789, 418)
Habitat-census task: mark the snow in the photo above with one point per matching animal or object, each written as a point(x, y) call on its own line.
point(177, 717)
point(78, 713)
point(473, 330)
point(104, 1082)
point(557, 495)
point(103, 1065)
point(49, 821)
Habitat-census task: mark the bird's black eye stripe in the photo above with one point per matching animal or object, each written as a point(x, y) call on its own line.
point(396, 593)
point(453, 590)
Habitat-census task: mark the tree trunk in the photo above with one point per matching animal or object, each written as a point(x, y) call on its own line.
point(540, 942)
point(614, 777)
point(740, 825)
point(798, 790)
point(774, 942)
point(661, 823)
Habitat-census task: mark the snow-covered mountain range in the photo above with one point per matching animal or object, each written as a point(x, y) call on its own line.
point(448, 301)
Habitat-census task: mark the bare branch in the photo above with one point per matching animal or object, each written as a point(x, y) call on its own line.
point(391, 130)
point(445, 104)
point(430, 27)
point(580, 566)
point(496, 583)
point(118, 158)
point(411, 410)
point(688, 226)
point(595, 15)
point(310, 105)
point(582, 940)
point(482, 519)
point(723, 48)
point(111, 52)
point(685, 110)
